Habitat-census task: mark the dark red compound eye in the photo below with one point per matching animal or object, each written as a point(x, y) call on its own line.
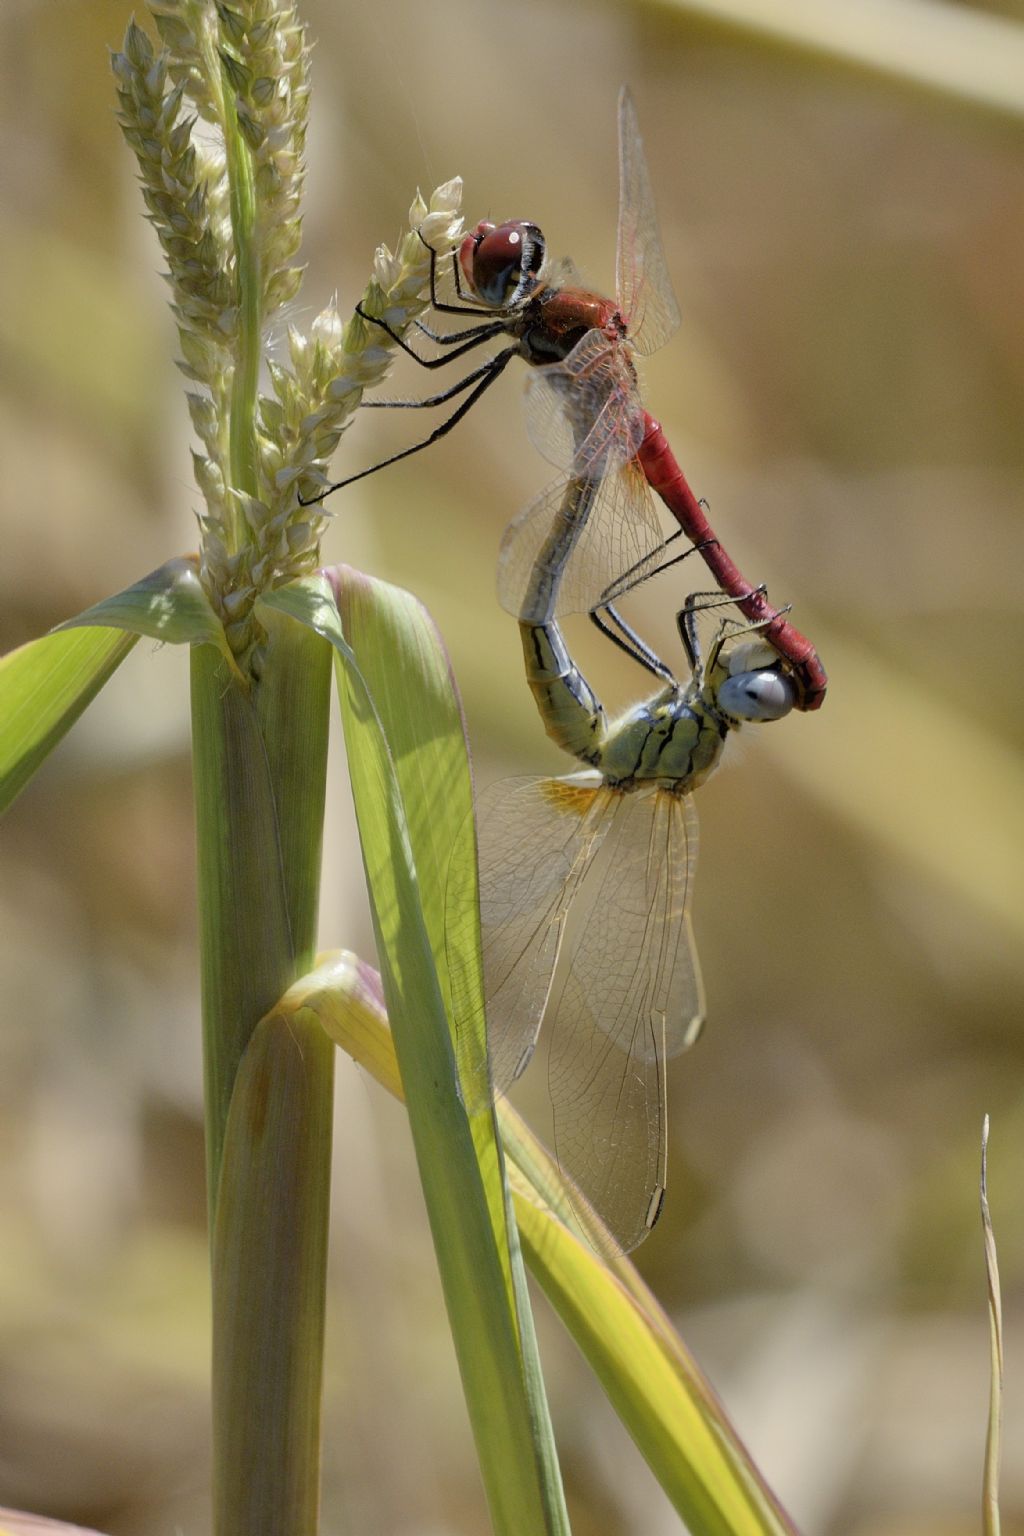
point(501, 262)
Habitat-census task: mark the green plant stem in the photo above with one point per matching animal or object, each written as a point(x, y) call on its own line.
point(260, 758)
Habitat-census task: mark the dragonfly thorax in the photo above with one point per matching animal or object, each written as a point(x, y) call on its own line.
point(557, 319)
point(673, 740)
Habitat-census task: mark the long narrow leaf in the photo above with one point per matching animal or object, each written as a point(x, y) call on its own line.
point(169, 604)
point(664, 1400)
point(409, 679)
point(665, 1408)
point(269, 1258)
point(44, 687)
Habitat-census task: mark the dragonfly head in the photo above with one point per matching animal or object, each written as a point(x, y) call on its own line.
point(502, 263)
point(752, 683)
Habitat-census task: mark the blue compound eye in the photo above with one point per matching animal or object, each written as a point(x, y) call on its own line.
point(766, 695)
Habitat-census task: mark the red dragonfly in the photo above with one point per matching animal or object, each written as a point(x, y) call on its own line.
point(595, 531)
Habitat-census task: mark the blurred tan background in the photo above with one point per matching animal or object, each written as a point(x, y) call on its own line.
point(847, 389)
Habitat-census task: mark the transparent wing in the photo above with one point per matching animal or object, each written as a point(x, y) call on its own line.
point(574, 541)
point(536, 837)
point(643, 286)
point(585, 414)
point(628, 997)
point(552, 415)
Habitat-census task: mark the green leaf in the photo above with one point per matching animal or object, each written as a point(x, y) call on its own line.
point(651, 1381)
point(410, 782)
point(650, 1377)
point(407, 673)
point(269, 1253)
point(44, 687)
point(169, 604)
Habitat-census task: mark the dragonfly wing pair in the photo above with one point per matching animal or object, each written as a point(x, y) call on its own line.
point(535, 841)
point(585, 894)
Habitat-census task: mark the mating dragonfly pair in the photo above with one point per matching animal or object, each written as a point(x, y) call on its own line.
point(586, 881)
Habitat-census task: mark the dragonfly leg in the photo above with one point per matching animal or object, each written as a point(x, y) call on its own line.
point(638, 573)
point(446, 394)
point(485, 379)
point(474, 337)
point(702, 602)
point(480, 332)
point(627, 640)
